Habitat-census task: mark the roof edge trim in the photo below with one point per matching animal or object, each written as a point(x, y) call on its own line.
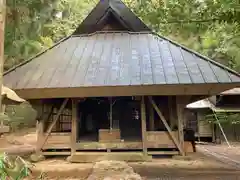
point(102, 32)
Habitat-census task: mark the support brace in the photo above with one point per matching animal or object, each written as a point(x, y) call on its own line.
point(166, 125)
point(52, 124)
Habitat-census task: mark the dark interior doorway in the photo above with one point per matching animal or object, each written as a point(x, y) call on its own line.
point(92, 116)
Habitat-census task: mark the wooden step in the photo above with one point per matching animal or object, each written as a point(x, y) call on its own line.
point(163, 152)
point(56, 153)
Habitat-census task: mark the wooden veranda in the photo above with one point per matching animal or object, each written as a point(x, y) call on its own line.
point(152, 141)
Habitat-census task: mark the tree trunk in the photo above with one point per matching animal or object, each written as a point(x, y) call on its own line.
point(2, 27)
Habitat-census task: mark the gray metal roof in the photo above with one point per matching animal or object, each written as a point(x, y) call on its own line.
point(117, 58)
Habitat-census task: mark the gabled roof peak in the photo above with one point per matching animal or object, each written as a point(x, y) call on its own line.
point(105, 11)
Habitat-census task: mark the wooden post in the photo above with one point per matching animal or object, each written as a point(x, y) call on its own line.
point(143, 122)
point(74, 127)
point(3, 111)
point(213, 133)
point(40, 134)
point(52, 124)
point(180, 117)
point(151, 117)
point(2, 28)
point(166, 125)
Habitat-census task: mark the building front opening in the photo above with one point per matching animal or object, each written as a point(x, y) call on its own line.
point(108, 119)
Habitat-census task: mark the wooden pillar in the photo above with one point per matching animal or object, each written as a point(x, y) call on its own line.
point(180, 117)
point(143, 122)
point(74, 127)
point(213, 133)
point(3, 111)
point(40, 135)
point(151, 117)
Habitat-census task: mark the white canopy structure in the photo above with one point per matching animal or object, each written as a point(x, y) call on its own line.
point(234, 91)
point(205, 103)
point(10, 94)
point(201, 104)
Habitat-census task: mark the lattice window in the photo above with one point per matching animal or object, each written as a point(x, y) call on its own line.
point(64, 122)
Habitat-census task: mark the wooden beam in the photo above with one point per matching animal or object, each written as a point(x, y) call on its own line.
point(74, 126)
point(136, 90)
point(196, 98)
point(143, 122)
point(166, 125)
point(52, 124)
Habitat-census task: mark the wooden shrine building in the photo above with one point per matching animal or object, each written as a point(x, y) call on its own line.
point(114, 86)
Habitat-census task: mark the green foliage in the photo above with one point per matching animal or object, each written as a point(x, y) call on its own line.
point(209, 27)
point(223, 118)
point(34, 25)
point(20, 116)
point(14, 168)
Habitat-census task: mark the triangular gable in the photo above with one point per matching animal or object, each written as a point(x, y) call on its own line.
point(106, 10)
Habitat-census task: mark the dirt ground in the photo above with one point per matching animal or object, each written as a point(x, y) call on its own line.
point(232, 152)
point(200, 167)
point(161, 168)
point(20, 142)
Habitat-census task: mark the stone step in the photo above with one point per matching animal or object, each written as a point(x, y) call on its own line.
point(87, 157)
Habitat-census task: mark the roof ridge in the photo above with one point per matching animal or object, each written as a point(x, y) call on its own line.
point(113, 31)
point(198, 54)
point(35, 56)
